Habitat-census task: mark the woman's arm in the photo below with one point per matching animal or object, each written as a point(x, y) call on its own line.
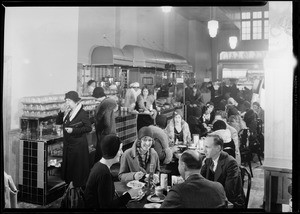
point(86, 124)
point(60, 118)
point(186, 133)
point(124, 172)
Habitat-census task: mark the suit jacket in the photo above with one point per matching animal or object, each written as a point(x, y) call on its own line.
point(196, 192)
point(229, 175)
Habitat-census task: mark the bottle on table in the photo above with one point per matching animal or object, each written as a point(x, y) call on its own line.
point(150, 184)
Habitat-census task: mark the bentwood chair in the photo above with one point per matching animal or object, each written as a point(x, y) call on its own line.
point(246, 178)
point(245, 151)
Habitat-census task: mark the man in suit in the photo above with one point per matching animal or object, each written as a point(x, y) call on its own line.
point(195, 191)
point(223, 168)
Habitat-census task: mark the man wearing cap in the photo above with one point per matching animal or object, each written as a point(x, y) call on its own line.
point(100, 188)
point(104, 118)
point(131, 96)
point(196, 191)
point(135, 162)
point(75, 121)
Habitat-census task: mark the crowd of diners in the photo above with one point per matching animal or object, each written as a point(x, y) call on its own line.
point(212, 178)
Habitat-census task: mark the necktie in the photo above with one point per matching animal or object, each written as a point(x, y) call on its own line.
point(212, 167)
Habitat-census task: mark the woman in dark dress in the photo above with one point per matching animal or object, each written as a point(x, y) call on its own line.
point(76, 123)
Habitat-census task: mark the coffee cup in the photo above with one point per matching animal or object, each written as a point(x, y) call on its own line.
point(159, 191)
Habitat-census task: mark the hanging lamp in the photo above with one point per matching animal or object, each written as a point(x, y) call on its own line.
point(213, 26)
point(232, 42)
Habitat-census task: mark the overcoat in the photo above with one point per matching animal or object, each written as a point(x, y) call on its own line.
point(75, 164)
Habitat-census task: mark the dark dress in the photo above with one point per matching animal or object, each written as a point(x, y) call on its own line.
point(100, 189)
point(75, 165)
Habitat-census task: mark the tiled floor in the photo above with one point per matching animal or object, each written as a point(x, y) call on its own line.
point(255, 200)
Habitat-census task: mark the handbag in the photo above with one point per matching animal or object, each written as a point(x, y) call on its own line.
point(73, 198)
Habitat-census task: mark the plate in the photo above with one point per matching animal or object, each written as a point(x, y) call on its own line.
point(192, 147)
point(154, 198)
point(135, 184)
point(141, 195)
point(152, 205)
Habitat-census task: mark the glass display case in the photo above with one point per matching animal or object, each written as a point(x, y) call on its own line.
point(40, 171)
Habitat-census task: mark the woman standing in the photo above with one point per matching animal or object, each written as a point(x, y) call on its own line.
point(104, 118)
point(147, 109)
point(75, 121)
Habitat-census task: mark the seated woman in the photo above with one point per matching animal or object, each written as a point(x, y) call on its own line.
point(237, 122)
point(177, 129)
point(146, 105)
point(219, 128)
point(208, 114)
point(135, 162)
point(100, 189)
point(195, 124)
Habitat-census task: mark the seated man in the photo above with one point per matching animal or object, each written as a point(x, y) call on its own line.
point(222, 115)
point(221, 167)
point(196, 191)
point(100, 188)
point(135, 162)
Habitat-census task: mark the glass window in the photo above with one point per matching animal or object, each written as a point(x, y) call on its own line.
point(257, 15)
point(266, 14)
point(257, 29)
point(245, 15)
point(246, 30)
point(266, 29)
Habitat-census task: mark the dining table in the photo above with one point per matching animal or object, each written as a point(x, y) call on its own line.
point(121, 187)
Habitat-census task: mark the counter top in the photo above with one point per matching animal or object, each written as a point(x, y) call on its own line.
point(278, 164)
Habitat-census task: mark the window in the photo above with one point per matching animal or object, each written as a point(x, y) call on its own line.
point(256, 29)
point(246, 30)
point(266, 29)
point(255, 25)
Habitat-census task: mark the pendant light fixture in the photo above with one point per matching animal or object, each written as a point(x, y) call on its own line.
point(212, 25)
point(232, 42)
point(166, 9)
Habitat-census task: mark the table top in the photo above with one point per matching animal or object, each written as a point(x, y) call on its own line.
point(122, 187)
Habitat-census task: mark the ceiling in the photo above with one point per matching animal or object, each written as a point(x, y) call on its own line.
point(224, 15)
point(228, 17)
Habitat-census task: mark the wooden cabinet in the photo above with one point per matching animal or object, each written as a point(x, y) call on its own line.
point(278, 176)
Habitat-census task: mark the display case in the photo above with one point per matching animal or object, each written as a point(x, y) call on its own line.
point(40, 170)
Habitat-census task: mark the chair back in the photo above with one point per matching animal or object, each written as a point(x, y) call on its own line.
point(230, 151)
point(246, 177)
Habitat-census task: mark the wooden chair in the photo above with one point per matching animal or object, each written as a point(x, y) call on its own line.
point(246, 177)
point(245, 151)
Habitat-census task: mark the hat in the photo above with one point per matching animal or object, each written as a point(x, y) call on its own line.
point(98, 92)
point(224, 134)
point(72, 95)
point(110, 145)
point(231, 101)
point(219, 124)
point(135, 85)
point(145, 131)
point(178, 111)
